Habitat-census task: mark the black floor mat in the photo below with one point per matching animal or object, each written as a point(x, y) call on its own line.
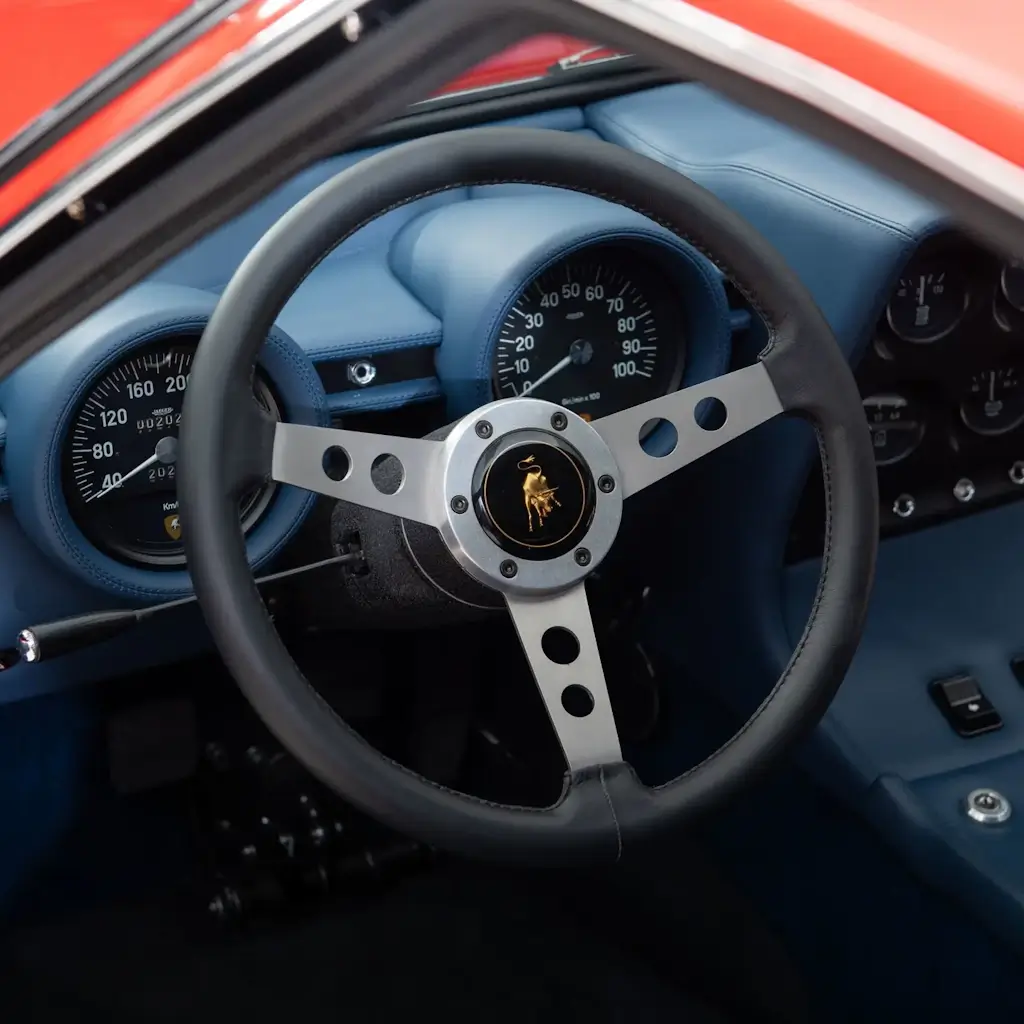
point(458, 945)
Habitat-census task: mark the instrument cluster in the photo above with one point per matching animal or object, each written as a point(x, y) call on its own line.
point(943, 390)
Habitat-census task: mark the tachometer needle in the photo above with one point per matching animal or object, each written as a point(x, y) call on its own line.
point(166, 452)
point(580, 353)
point(557, 368)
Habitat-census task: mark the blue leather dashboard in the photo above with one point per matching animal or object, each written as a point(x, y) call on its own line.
point(944, 600)
point(398, 284)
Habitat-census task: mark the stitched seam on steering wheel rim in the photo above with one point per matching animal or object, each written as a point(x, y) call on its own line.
point(798, 651)
point(615, 817)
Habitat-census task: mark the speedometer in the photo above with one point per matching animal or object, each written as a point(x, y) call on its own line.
point(120, 454)
point(597, 332)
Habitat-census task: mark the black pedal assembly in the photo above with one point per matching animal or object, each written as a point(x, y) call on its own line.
point(275, 843)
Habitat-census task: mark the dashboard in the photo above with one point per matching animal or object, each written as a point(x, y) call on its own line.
point(596, 320)
point(943, 388)
point(582, 302)
point(437, 307)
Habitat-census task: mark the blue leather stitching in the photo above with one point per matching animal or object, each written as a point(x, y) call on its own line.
point(392, 343)
point(669, 241)
point(298, 386)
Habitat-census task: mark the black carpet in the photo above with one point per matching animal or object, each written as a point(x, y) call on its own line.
point(453, 945)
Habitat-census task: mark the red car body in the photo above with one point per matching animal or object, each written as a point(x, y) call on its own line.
point(935, 57)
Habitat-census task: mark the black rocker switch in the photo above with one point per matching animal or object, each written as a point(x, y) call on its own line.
point(966, 708)
point(1017, 668)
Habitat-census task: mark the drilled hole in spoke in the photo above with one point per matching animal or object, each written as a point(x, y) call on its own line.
point(658, 438)
point(710, 413)
point(577, 700)
point(387, 473)
point(336, 463)
point(560, 645)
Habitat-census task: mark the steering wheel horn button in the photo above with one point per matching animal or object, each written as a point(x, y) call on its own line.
point(534, 495)
point(988, 807)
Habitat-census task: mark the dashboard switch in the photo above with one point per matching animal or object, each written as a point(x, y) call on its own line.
point(1016, 473)
point(1017, 668)
point(966, 708)
point(988, 807)
point(904, 506)
point(964, 490)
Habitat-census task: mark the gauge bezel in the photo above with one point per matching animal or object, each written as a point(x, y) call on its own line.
point(1011, 265)
point(908, 397)
point(980, 432)
point(254, 505)
point(644, 253)
point(930, 339)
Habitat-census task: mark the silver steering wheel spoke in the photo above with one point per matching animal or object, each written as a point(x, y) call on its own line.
point(341, 463)
point(574, 691)
point(749, 399)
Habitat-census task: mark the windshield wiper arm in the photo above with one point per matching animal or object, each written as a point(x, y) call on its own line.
point(585, 58)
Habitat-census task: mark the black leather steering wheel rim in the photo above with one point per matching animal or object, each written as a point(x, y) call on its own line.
point(227, 442)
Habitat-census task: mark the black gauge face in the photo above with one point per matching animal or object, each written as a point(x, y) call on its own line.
point(120, 453)
point(596, 333)
point(1011, 281)
point(929, 301)
point(897, 426)
point(994, 403)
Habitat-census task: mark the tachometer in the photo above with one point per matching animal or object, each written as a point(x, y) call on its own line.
point(120, 456)
point(597, 332)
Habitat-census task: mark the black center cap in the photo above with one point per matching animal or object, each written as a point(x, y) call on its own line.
point(534, 495)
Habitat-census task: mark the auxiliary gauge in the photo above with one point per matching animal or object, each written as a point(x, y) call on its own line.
point(929, 301)
point(897, 426)
point(994, 403)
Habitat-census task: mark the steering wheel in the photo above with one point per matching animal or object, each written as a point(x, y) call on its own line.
point(524, 496)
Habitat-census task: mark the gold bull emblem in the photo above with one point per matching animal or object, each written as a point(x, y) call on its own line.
point(537, 495)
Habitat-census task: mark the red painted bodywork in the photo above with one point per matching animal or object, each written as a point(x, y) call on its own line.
point(956, 62)
point(48, 48)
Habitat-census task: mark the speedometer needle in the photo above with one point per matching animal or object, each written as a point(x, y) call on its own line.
point(166, 452)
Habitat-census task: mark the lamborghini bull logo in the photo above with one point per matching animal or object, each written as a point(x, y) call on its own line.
point(538, 497)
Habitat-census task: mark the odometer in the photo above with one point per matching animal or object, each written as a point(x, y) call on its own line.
point(119, 463)
point(597, 332)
